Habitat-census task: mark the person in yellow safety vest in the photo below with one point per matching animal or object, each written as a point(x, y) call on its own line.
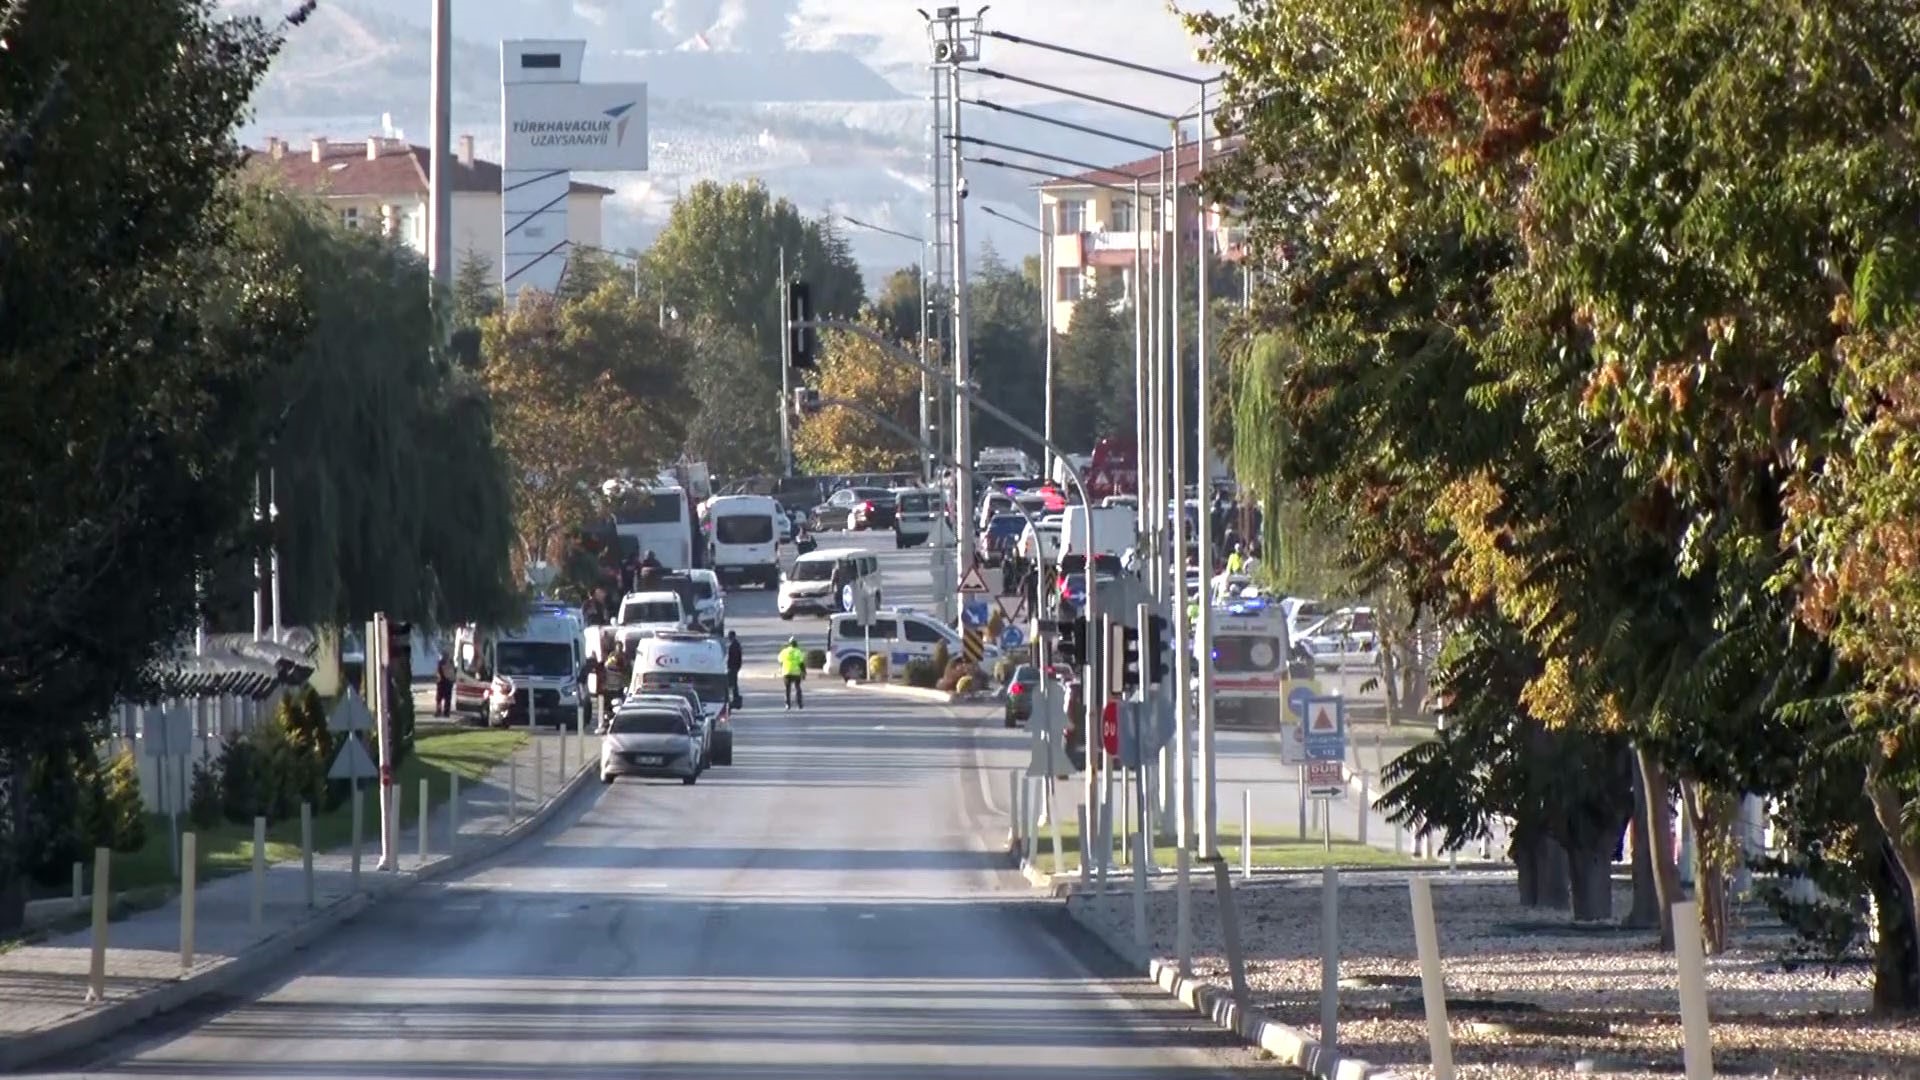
point(1236, 561)
point(793, 669)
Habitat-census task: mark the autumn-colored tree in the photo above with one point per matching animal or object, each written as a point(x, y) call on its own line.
point(841, 440)
point(582, 392)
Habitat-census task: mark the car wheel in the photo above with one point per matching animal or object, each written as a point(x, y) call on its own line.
point(606, 778)
point(851, 669)
point(689, 780)
point(1011, 722)
point(787, 615)
point(723, 751)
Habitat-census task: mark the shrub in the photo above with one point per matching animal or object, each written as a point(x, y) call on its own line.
point(817, 659)
point(922, 673)
point(956, 671)
point(49, 841)
point(1003, 671)
point(942, 659)
point(204, 797)
point(125, 815)
point(965, 685)
point(240, 770)
point(877, 667)
point(308, 747)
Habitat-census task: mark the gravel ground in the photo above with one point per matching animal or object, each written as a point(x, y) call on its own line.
point(1559, 993)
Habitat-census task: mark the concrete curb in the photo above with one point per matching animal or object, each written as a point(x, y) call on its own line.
point(916, 693)
point(215, 976)
point(1288, 1045)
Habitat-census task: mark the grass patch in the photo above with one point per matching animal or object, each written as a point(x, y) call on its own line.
point(1272, 848)
point(227, 848)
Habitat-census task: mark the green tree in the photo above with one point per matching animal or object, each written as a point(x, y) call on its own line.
point(476, 290)
point(841, 440)
point(1007, 336)
point(736, 393)
point(719, 257)
point(392, 494)
point(582, 392)
point(132, 347)
point(1094, 370)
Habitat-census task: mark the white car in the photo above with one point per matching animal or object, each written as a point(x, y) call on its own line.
point(916, 509)
point(644, 613)
point(1345, 638)
point(650, 739)
point(709, 602)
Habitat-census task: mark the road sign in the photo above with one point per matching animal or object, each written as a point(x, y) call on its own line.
point(1012, 637)
point(350, 714)
point(1048, 729)
point(1293, 742)
point(863, 605)
point(165, 732)
point(1326, 780)
point(974, 612)
point(352, 762)
point(973, 581)
point(1012, 608)
point(1110, 728)
point(1152, 725)
point(1326, 733)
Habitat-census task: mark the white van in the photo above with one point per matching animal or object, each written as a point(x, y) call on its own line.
point(744, 538)
point(826, 581)
point(644, 613)
point(901, 634)
point(916, 509)
point(689, 660)
point(529, 674)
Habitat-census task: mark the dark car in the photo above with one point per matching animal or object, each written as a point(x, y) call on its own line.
point(856, 508)
point(1001, 534)
point(1021, 689)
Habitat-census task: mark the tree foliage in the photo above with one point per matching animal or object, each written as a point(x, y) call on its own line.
point(582, 392)
point(133, 347)
point(842, 440)
point(1593, 320)
point(735, 391)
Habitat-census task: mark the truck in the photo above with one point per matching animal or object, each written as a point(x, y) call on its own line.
point(997, 461)
point(1108, 534)
point(1114, 468)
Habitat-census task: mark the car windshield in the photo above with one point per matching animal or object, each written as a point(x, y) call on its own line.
point(649, 611)
point(1025, 675)
point(712, 688)
point(814, 570)
point(915, 503)
point(743, 529)
point(644, 508)
point(703, 588)
point(651, 722)
point(534, 658)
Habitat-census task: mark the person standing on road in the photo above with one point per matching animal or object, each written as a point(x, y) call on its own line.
point(733, 669)
point(793, 671)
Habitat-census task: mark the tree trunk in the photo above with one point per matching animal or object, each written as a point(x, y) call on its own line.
point(1708, 816)
point(1590, 876)
point(1645, 914)
point(1887, 807)
point(1666, 877)
point(1896, 953)
point(1388, 647)
point(13, 877)
point(1542, 866)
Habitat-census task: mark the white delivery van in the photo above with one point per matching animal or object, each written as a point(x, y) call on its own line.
point(915, 511)
point(744, 538)
point(529, 674)
point(826, 581)
point(688, 660)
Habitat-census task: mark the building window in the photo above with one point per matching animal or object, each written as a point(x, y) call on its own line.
point(1072, 284)
point(1073, 216)
point(350, 217)
point(1122, 216)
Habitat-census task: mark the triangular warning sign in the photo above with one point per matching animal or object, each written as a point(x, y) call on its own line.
point(1322, 720)
point(352, 762)
point(1013, 608)
point(972, 581)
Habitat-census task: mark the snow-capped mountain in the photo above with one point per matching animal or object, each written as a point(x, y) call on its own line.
point(826, 101)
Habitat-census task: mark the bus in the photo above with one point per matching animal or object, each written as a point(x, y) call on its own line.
point(657, 518)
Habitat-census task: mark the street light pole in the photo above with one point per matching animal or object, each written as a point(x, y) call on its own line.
point(1203, 380)
point(440, 184)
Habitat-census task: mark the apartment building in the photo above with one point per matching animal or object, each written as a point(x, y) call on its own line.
point(1091, 225)
point(382, 184)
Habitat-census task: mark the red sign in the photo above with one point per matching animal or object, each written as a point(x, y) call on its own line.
point(1110, 727)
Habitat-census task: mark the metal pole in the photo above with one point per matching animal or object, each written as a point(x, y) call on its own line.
point(926, 418)
point(1158, 522)
point(962, 376)
point(1140, 405)
point(377, 689)
point(273, 540)
point(259, 564)
point(786, 374)
point(1209, 810)
point(1048, 302)
point(1182, 631)
point(440, 188)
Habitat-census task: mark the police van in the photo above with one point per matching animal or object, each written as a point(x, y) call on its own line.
point(900, 634)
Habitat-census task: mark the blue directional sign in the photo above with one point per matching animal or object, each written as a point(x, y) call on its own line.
point(1298, 698)
point(1326, 728)
point(974, 612)
point(1012, 637)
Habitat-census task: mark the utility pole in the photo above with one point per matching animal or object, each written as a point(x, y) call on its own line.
point(786, 375)
point(440, 213)
point(1209, 825)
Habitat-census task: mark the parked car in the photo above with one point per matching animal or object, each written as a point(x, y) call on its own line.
point(1345, 638)
point(875, 507)
point(1021, 689)
point(915, 511)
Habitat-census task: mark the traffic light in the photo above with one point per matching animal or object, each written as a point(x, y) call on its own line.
point(1071, 649)
point(1129, 659)
point(800, 338)
point(1157, 650)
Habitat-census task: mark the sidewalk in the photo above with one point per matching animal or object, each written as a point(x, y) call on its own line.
point(43, 987)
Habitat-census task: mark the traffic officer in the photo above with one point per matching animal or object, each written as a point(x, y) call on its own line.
point(793, 670)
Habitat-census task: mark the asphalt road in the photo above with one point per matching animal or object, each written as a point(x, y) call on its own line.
point(831, 906)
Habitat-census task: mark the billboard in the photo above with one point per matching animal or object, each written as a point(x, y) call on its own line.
point(577, 127)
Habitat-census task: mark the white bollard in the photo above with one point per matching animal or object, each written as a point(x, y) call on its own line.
point(79, 885)
point(359, 817)
point(539, 770)
point(1433, 984)
point(561, 730)
point(1183, 908)
point(426, 798)
point(1246, 834)
point(306, 849)
point(1085, 845)
point(1365, 809)
point(1053, 828)
point(189, 895)
point(513, 790)
point(453, 810)
point(1689, 954)
point(102, 905)
point(258, 913)
point(1399, 839)
point(1013, 803)
point(1329, 959)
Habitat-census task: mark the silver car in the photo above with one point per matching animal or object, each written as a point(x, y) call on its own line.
point(650, 740)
